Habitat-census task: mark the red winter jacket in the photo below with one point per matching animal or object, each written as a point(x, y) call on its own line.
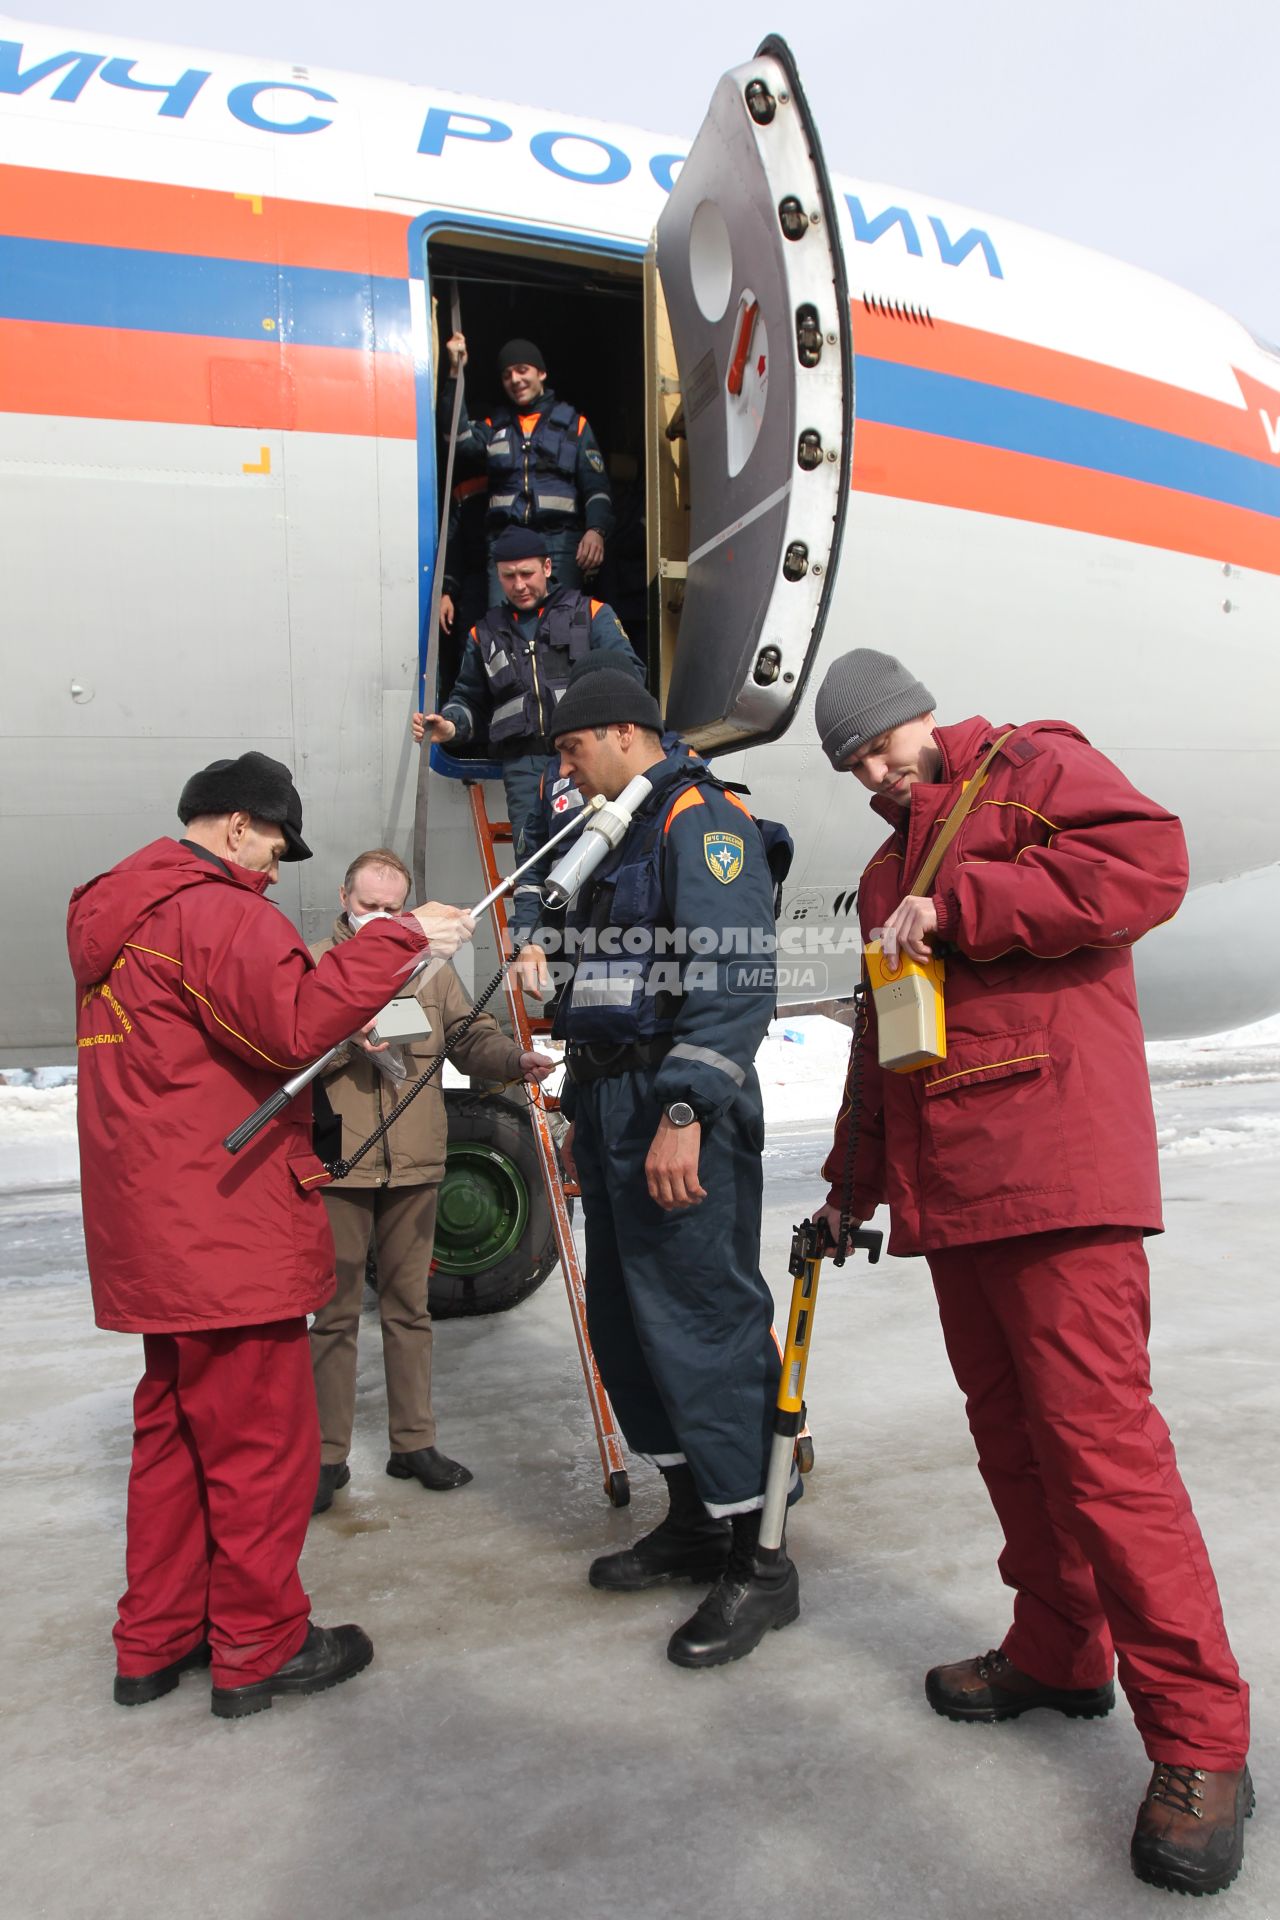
point(1040, 1115)
point(196, 998)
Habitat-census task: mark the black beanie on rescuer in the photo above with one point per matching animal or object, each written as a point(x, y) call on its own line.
point(519, 543)
point(521, 353)
point(605, 699)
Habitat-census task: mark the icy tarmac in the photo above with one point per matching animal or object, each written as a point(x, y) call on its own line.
point(520, 1748)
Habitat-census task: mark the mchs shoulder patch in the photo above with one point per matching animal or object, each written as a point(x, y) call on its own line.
point(724, 853)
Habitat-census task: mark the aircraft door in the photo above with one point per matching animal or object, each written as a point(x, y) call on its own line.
point(752, 274)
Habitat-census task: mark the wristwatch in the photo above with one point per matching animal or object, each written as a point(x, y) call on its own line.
point(681, 1114)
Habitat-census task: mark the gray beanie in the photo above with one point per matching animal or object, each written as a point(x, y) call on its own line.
point(864, 694)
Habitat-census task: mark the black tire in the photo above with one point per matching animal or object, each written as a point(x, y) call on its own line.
point(493, 1154)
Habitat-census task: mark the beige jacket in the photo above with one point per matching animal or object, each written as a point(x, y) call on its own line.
point(412, 1152)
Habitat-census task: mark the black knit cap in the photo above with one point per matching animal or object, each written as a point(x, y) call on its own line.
point(256, 784)
point(521, 353)
point(606, 697)
point(519, 543)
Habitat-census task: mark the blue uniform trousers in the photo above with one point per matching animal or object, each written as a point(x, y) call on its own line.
point(521, 778)
point(678, 1312)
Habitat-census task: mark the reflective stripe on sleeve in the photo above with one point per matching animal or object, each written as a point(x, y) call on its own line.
point(706, 1057)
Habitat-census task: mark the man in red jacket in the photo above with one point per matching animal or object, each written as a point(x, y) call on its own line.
point(196, 997)
point(1023, 1166)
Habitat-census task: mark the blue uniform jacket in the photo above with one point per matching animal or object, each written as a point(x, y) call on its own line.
point(469, 704)
point(717, 902)
point(591, 484)
point(558, 800)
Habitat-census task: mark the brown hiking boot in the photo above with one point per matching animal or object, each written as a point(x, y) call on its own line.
point(992, 1688)
point(1190, 1832)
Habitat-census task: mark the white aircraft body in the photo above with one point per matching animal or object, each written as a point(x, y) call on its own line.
point(1047, 480)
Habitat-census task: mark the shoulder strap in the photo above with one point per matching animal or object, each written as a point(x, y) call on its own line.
point(955, 820)
point(495, 623)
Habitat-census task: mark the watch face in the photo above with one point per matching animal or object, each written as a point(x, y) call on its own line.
point(681, 1114)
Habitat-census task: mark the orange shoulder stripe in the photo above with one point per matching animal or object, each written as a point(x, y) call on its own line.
point(689, 798)
point(734, 801)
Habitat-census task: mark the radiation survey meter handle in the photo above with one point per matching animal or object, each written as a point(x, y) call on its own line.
point(277, 1102)
point(813, 1239)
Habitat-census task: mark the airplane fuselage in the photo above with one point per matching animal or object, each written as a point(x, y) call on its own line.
point(218, 363)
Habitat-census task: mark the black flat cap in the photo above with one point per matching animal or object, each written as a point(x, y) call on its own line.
point(256, 784)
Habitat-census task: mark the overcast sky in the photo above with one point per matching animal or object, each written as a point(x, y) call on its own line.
point(1147, 128)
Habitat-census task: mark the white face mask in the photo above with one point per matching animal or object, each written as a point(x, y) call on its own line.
point(358, 920)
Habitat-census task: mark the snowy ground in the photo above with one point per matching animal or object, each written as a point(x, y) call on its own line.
point(520, 1749)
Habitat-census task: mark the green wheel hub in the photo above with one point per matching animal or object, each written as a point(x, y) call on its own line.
point(482, 1211)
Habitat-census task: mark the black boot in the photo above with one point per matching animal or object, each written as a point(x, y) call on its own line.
point(687, 1545)
point(750, 1597)
point(326, 1656)
point(331, 1478)
point(137, 1690)
point(434, 1469)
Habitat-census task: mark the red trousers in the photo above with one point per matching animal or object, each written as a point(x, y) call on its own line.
point(226, 1452)
point(1047, 1335)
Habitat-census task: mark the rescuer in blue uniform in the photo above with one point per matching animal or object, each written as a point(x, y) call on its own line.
point(557, 801)
point(516, 664)
point(672, 993)
point(544, 464)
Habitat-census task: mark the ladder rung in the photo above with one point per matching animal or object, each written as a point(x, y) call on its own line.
point(500, 831)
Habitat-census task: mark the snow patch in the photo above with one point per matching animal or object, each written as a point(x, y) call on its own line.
point(31, 1112)
point(801, 1066)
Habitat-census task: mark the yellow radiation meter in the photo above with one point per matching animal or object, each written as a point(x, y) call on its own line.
point(911, 1019)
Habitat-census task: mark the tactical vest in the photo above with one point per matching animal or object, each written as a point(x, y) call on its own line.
point(526, 678)
point(534, 481)
point(626, 988)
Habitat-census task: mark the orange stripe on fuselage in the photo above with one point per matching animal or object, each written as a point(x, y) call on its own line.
point(160, 217)
point(121, 374)
point(1021, 368)
point(903, 464)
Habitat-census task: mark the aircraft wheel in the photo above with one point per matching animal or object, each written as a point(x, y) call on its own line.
point(495, 1244)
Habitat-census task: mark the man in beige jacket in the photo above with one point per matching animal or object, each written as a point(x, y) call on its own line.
point(390, 1198)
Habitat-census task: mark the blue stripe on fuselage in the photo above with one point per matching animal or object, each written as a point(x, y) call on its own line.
point(87, 286)
point(895, 395)
point(83, 285)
